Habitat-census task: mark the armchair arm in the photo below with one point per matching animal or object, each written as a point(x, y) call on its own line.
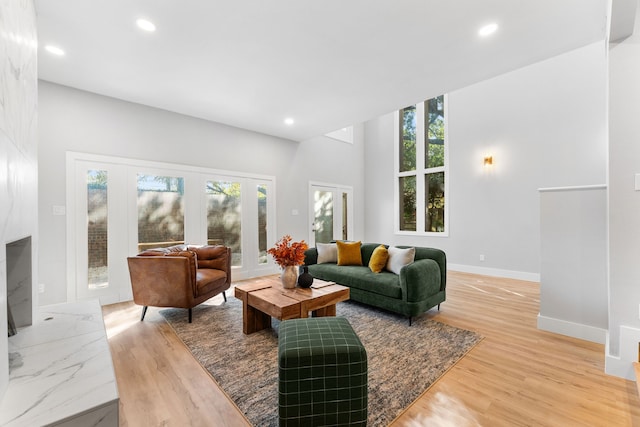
point(161, 281)
point(420, 280)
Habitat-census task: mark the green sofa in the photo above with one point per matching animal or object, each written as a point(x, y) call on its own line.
point(419, 286)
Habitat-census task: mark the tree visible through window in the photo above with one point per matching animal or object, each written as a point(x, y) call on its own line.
point(422, 167)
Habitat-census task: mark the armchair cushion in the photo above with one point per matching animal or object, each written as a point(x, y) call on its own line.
point(212, 257)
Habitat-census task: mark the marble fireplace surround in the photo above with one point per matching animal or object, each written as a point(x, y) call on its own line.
point(61, 372)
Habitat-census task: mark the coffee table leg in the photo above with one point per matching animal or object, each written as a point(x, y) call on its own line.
point(329, 310)
point(253, 320)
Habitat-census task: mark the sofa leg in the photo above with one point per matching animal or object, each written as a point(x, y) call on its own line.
point(438, 307)
point(409, 320)
point(190, 315)
point(144, 311)
point(224, 296)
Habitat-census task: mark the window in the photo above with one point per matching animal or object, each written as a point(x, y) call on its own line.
point(97, 228)
point(123, 206)
point(224, 216)
point(160, 211)
point(421, 169)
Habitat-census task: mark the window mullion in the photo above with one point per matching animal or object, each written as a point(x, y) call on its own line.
point(420, 166)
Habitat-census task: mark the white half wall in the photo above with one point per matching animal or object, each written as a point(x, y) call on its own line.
point(18, 148)
point(573, 271)
point(75, 120)
point(624, 203)
point(544, 125)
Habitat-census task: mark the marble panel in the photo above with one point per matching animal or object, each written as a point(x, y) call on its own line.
point(61, 370)
point(60, 321)
point(106, 416)
point(18, 142)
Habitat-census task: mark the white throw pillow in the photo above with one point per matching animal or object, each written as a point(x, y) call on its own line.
point(327, 252)
point(398, 258)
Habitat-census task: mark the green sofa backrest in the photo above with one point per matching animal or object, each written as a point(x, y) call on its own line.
point(421, 253)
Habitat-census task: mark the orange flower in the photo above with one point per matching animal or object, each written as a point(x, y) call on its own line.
point(287, 253)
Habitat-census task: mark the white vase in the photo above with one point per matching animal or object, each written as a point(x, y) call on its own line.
point(289, 276)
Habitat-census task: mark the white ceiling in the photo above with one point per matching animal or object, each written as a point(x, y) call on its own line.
point(327, 64)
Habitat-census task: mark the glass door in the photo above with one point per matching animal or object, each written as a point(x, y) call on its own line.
point(238, 213)
point(224, 215)
point(96, 217)
point(331, 209)
point(160, 206)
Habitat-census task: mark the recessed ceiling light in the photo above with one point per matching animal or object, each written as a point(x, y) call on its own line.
point(288, 121)
point(54, 50)
point(146, 25)
point(488, 29)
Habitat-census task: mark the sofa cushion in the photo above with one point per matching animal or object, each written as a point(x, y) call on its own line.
point(327, 252)
point(360, 277)
point(379, 259)
point(349, 253)
point(398, 258)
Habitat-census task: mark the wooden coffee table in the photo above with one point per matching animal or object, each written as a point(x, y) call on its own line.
point(266, 298)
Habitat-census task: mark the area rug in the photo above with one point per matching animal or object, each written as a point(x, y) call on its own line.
point(403, 360)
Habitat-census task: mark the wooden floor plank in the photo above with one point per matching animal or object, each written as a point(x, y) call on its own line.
point(517, 376)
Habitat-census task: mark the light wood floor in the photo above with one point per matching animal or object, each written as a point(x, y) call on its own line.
point(517, 376)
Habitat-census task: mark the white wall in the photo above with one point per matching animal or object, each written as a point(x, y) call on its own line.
point(624, 204)
point(74, 120)
point(18, 146)
point(545, 126)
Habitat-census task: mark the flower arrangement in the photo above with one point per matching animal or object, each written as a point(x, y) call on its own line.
point(286, 253)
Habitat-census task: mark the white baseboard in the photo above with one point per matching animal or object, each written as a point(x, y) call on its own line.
point(495, 272)
point(621, 365)
point(572, 329)
point(617, 367)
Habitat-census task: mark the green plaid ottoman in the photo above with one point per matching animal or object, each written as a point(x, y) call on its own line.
point(322, 373)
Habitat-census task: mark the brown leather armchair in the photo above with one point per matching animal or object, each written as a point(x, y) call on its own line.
point(179, 276)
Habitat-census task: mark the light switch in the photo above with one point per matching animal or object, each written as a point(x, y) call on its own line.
point(59, 210)
point(294, 212)
point(638, 182)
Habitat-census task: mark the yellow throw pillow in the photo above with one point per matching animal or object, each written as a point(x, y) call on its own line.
point(349, 253)
point(378, 259)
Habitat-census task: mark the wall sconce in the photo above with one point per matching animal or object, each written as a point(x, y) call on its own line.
point(488, 161)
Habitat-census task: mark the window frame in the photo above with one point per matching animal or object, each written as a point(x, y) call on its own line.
point(421, 171)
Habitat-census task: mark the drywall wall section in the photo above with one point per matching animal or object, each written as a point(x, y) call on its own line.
point(75, 120)
point(573, 270)
point(544, 125)
point(624, 205)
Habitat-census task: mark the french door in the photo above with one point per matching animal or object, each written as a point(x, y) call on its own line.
point(331, 213)
point(119, 207)
point(94, 217)
point(239, 212)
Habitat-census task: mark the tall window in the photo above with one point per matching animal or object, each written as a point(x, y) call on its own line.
point(422, 168)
